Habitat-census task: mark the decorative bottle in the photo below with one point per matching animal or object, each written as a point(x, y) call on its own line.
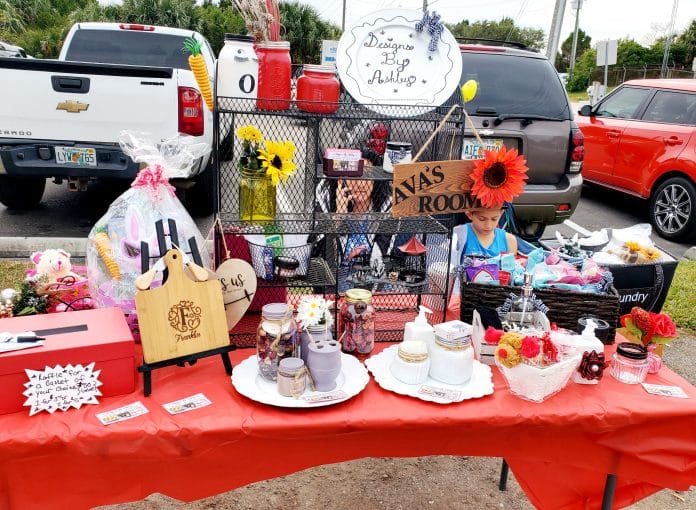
point(357, 322)
point(522, 311)
point(275, 75)
point(276, 338)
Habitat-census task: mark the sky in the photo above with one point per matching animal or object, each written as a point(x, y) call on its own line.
point(641, 20)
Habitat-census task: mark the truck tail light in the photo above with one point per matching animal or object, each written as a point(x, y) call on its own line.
point(577, 150)
point(191, 115)
point(133, 26)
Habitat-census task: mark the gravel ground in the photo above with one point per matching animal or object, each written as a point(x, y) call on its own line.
point(437, 482)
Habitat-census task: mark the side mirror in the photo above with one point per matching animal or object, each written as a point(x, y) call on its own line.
point(586, 110)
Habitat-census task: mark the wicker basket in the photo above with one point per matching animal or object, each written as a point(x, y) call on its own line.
point(536, 383)
point(565, 306)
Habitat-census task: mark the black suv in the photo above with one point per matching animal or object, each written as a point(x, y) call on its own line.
point(521, 102)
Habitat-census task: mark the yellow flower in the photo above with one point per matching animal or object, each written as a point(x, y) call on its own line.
point(249, 133)
point(651, 253)
point(513, 339)
point(632, 246)
point(276, 158)
point(507, 355)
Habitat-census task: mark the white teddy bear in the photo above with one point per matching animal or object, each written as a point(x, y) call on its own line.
point(52, 266)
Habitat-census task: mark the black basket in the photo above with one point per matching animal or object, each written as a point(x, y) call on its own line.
point(565, 306)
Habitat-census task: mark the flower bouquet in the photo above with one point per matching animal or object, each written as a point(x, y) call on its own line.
point(316, 319)
point(532, 364)
point(263, 164)
point(652, 330)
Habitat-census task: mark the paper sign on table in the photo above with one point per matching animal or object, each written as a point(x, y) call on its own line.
point(61, 388)
point(443, 393)
point(187, 404)
point(122, 413)
point(665, 391)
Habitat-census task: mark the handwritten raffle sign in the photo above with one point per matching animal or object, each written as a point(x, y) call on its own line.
point(385, 59)
point(60, 388)
point(432, 187)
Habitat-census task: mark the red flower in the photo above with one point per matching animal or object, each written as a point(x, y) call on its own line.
point(492, 335)
point(663, 325)
point(530, 347)
point(380, 131)
point(498, 177)
point(592, 366)
point(550, 350)
point(377, 145)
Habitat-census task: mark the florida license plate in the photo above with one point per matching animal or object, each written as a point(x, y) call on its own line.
point(474, 150)
point(78, 156)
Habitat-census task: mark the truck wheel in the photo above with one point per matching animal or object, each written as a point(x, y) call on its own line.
point(531, 232)
point(673, 209)
point(21, 192)
point(201, 198)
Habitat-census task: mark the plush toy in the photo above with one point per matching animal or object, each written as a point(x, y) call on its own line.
point(52, 266)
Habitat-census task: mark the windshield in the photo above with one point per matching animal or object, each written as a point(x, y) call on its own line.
point(128, 47)
point(511, 84)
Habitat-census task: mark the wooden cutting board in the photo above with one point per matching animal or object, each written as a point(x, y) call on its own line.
point(182, 316)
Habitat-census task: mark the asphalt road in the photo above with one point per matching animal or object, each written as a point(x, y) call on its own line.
point(65, 214)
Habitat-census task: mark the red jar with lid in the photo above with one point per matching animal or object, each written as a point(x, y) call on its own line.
point(275, 75)
point(318, 89)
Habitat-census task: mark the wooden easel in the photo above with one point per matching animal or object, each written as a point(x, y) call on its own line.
point(183, 320)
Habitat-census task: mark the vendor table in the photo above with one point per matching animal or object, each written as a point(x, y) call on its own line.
point(560, 451)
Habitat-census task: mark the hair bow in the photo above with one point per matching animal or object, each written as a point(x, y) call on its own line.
point(434, 27)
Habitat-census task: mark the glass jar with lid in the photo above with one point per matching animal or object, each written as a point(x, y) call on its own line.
point(357, 322)
point(275, 75)
point(318, 89)
point(630, 363)
point(276, 338)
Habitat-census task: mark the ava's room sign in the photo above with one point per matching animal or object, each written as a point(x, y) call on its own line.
point(432, 187)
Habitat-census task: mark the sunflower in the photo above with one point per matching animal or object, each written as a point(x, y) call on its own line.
point(276, 158)
point(632, 246)
point(498, 177)
point(249, 133)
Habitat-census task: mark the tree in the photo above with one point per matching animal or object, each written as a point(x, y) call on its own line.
point(563, 57)
point(688, 39)
point(305, 31)
point(168, 13)
point(216, 21)
point(583, 71)
point(11, 20)
point(503, 30)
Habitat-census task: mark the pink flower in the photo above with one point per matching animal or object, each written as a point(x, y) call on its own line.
point(492, 335)
point(530, 347)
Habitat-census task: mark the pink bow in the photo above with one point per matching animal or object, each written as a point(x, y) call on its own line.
point(150, 178)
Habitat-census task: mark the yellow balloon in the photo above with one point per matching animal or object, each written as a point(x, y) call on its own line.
point(469, 90)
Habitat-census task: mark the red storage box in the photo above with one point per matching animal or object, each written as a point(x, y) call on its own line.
point(107, 340)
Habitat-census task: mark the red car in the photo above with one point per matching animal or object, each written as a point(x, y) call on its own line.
point(641, 140)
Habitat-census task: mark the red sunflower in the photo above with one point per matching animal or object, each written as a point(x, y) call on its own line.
point(498, 177)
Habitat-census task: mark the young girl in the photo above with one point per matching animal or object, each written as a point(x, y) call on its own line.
point(482, 235)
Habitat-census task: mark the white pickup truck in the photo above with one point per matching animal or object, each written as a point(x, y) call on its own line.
point(61, 118)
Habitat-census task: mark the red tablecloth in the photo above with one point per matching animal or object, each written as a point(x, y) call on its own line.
point(560, 450)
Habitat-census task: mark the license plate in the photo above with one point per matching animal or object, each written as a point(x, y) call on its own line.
point(78, 156)
point(473, 150)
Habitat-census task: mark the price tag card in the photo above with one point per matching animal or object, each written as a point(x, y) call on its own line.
point(122, 413)
point(443, 393)
point(187, 404)
point(325, 397)
point(665, 391)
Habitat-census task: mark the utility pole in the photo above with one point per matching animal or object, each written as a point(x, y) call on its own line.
point(577, 5)
point(343, 21)
point(668, 39)
point(555, 32)
point(425, 5)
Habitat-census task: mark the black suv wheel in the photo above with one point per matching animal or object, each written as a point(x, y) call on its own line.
point(21, 192)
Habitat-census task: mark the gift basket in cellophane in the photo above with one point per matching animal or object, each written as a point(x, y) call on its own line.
point(125, 240)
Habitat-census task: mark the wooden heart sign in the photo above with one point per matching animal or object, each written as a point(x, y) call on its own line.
point(182, 317)
point(238, 282)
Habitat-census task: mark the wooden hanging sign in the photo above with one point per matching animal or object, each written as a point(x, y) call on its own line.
point(432, 187)
point(182, 317)
point(238, 282)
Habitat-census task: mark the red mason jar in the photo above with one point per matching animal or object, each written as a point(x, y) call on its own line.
point(275, 74)
point(318, 89)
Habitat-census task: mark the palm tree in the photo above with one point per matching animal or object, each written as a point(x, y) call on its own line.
point(305, 30)
point(168, 13)
point(10, 18)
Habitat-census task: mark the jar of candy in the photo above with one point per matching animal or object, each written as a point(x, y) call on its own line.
point(275, 75)
point(276, 338)
point(318, 89)
point(357, 326)
point(630, 363)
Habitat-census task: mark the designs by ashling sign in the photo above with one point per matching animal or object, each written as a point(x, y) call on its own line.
point(432, 187)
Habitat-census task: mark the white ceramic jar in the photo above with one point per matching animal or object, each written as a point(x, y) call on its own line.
point(411, 363)
point(237, 67)
point(452, 360)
